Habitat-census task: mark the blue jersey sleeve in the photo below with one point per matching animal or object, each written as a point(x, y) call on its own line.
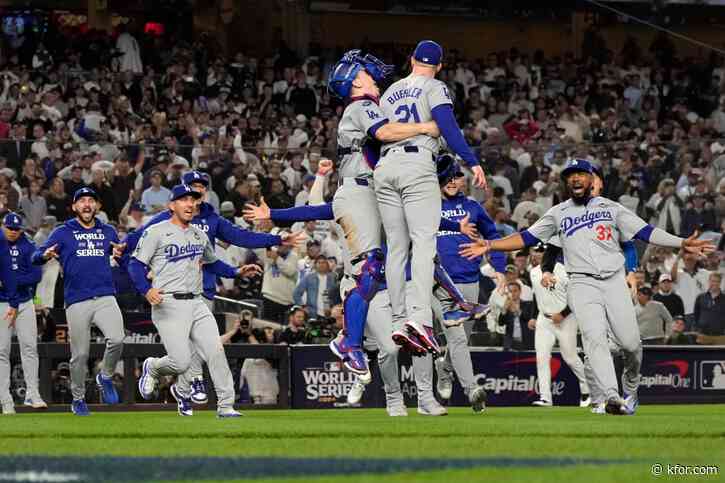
point(446, 121)
point(221, 269)
point(236, 235)
point(30, 273)
point(304, 213)
point(55, 238)
point(7, 274)
point(631, 260)
point(138, 272)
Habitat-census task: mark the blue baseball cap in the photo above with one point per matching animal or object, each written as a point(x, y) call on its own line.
point(182, 190)
point(428, 52)
point(195, 177)
point(13, 221)
point(577, 165)
point(85, 192)
point(137, 207)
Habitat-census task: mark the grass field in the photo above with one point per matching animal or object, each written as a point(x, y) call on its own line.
point(504, 444)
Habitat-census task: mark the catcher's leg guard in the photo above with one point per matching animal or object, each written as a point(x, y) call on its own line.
point(369, 282)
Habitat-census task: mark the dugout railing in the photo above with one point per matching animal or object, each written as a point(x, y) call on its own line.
point(50, 354)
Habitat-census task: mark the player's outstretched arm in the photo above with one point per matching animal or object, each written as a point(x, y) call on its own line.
point(481, 247)
point(446, 122)
point(236, 235)
point(397, 131)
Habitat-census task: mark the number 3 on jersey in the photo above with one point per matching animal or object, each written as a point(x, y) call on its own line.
point(405, 111)
point(604, 232)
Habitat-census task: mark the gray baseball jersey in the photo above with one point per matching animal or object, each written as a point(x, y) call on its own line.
point(413, 99)
point(175, 256)
point(590, 234)
point(353, 132)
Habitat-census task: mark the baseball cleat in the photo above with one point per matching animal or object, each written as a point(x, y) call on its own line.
point(410, 344)
point(353, 358)
point(183, 403)
point(542, 403)
point(8, 408)
point(228, 413)
point(425, 336)
point(35, 402)
point(444, 386)
point(147, 382)
point(395, 405)
point(631, 402)
point(598, 408)
point(477, 398)
point(79, 408)
point(585, 401)
point(355, 393)
point(106, 389)
point(615, 406)
point(455, 318)
point(431, 408)
point(198, 391)
point(475, 311)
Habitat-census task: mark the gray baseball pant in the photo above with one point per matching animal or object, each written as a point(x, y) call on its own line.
point(196, 369)
point(103, 312)
point(600, 305)
point(180, 322)
point(458, 355)
point(406, 186)
point(26, 330)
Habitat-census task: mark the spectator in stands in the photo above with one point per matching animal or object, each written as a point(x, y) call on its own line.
point(320, 289)
point(500, 220)
point(653, 318)
point(526, 206)
point(155, 197)
point(666, 295)
point(665, 207)
point(709, 311)
point(689, 281)
point(700, 216)
point(516, 316)
point(678, 335)
point(279, 281)
point(58, 201)
point(33, 205)
point(295, 332)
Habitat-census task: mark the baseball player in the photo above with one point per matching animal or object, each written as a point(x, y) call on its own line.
point(589, 229)
point(555, 322)
point(9, 306)
point(26, 326)
point(407, 190)
point(84, 246)
point(174, 250)
point(631, 262)
point(464, 274)
point(215, 227)
point(362, 128)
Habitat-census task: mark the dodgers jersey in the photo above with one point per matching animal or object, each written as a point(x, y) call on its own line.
point(356, 138)
point(413, 99)
point(27, 274)
point(590, 234)
point(175, 255)
point(84, 254)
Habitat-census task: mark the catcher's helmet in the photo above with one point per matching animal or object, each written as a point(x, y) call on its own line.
point(339, 82)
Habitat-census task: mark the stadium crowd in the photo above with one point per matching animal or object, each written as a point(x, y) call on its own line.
point(128, 117)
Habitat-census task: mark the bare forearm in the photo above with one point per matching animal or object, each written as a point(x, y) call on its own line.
point(397, 131)
point(509, 244)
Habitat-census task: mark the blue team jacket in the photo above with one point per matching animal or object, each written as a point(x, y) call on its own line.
point(26, 274)
point(8, 277)
point(215, 227)
point(459, 268)
point(84, 254)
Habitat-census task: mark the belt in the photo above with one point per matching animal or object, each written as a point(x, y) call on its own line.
point(407, 149)
point(590, 275)
point(345, 151)
point(184, 296)
point(357, 181)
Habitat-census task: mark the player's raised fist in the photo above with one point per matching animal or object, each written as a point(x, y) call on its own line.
point(51, 252)
point(548, 280)
point(325, 167)
point(253, 212)
point(293, 239)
